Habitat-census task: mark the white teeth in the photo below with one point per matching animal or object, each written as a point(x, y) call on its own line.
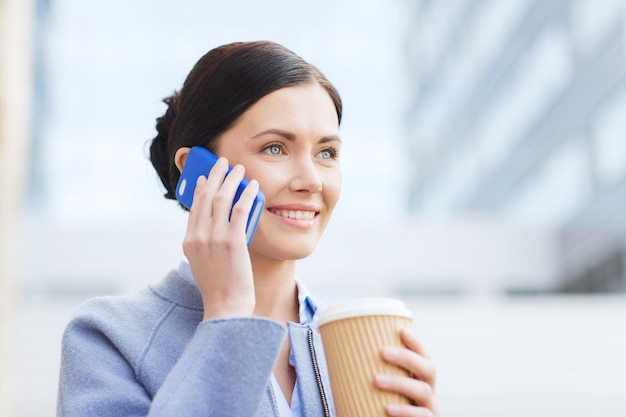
point(295, 214)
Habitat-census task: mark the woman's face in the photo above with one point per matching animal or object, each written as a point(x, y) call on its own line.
point(289, 142)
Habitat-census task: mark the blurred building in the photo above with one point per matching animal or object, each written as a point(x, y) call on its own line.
point(515, 114)
point(96, 219)
point(519, 111)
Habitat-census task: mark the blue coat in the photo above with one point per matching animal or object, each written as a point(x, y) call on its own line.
point(149, 354)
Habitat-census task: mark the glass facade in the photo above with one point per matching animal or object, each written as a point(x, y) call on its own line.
point(519, 111)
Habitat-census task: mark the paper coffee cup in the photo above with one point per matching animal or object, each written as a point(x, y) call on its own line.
point(353, 334)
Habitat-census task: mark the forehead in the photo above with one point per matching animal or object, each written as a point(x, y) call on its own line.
point(305, 106)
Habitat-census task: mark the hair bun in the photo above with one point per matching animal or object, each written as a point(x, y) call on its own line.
point(159, 156)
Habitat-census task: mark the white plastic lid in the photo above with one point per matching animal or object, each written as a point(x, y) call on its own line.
point(365, 307)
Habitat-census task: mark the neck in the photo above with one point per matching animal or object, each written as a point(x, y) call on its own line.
point(275, 289)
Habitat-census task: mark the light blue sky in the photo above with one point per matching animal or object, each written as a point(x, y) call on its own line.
point(110, 64)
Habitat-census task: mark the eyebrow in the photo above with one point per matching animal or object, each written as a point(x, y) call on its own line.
point(292, 137)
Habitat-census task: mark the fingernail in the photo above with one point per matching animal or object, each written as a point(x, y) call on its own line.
point(383, 380)
point(237, 168)
point(408, 336)
point(201, 180)
point(393, 409)
point(390, 352)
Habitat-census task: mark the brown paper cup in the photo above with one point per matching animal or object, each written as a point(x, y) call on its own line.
point(353, 334)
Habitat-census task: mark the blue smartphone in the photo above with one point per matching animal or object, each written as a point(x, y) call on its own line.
point(199, 162)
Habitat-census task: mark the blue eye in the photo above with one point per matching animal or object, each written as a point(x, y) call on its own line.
point(328, 154)
point(274, 149)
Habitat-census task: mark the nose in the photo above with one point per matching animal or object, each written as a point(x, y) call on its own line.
point(306, 177)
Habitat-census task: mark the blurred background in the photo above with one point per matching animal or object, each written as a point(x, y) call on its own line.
point(484, 170)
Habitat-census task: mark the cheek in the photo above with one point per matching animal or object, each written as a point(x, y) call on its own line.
point(332, 189)
point(269, 181)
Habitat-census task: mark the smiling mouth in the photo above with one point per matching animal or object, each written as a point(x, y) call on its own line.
point(294, 214)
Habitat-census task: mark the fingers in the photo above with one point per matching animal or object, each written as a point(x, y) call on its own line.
point(418, 365)
point(413, 343)
point(419, 386)
point(415, 359)
point(224, 196)
point(241, 209)
point(222, 203)
point(212, 207)
point(202, 206)
point(417, 391)
point(401, 410)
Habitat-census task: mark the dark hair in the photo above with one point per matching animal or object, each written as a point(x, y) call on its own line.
point(222, 85)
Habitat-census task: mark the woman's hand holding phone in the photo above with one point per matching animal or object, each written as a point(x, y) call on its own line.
point(215, 242)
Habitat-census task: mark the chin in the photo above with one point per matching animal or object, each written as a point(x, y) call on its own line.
point(286, 250)
point(297, 255)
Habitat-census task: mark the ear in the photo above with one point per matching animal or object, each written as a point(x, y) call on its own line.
point(181, 157)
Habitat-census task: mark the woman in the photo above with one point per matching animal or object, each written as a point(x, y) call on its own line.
point(231, 332)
